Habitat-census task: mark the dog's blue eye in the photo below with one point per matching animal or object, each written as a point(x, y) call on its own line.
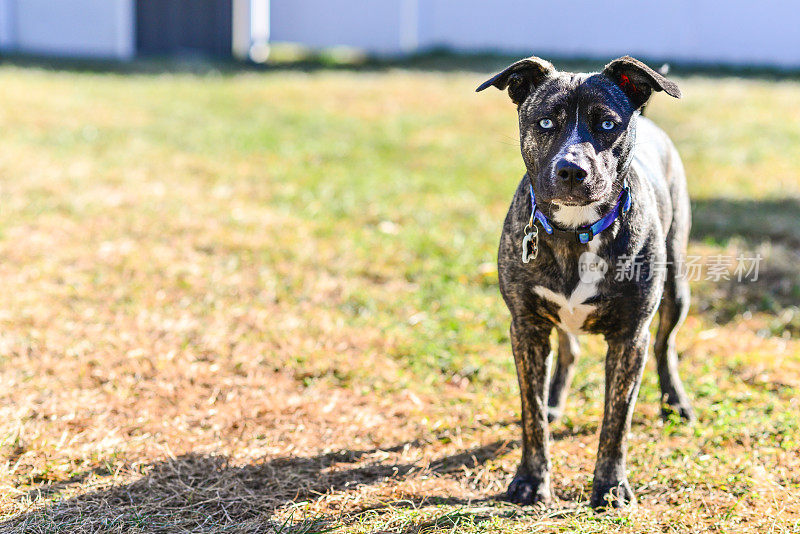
point(546, 124)
point(608, 125)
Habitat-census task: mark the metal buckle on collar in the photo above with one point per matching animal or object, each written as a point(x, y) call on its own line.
point(584, 236)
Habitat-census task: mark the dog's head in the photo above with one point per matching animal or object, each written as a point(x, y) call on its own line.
point(577, 130)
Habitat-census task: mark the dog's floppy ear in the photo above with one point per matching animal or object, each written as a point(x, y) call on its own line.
point(521, 78)
point(638, 81)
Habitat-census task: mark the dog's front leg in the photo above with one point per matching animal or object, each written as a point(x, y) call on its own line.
point(531, 346)
point(624, 364)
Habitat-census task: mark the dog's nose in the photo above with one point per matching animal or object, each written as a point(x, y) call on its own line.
point(567, 170)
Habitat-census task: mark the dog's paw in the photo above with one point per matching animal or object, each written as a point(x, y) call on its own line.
point(528, 490)
point(553, 413)
point(611, 494)
point(678, 406)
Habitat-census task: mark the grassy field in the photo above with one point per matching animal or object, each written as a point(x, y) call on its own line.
point(267, 302)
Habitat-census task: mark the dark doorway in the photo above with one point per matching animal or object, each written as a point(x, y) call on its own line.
point(184, 27)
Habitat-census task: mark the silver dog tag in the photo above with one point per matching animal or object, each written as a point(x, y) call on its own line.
point(530, 245)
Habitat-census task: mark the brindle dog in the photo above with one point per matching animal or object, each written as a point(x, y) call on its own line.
point(601, 255)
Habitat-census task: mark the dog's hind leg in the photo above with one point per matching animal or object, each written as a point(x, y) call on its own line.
point(675, 299)
point(672, 312)
point(568, 351)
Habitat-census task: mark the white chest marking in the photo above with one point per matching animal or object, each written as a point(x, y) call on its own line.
point(572, 312)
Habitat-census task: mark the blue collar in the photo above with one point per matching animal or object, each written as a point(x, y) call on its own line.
point(583, 234)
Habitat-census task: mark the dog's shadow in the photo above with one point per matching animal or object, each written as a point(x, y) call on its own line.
point(197, 492)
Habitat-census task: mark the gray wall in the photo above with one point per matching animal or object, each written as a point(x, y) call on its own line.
point(80, 28)
point(740, 32)
point(733, 32)
point(376, 26)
